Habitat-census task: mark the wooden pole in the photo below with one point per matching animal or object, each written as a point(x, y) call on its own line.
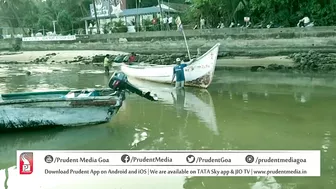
point(137, 15)
point(140, 18)
point(168, 9)
point(185, 41)
point(159, 3)
point(180, 26)
point(54, 22)
point(109, 9)
point(95, 12)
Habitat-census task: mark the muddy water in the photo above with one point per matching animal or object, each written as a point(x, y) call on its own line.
point(239, 111)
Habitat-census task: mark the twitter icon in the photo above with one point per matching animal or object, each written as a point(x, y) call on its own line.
point(190, 159)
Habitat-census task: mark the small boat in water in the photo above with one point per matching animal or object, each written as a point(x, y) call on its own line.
point(65, 108)
point(199, 72)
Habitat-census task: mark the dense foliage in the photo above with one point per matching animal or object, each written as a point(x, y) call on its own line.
point(39, 14)
point(282, 12)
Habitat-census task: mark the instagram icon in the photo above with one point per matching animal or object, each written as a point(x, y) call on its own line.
point(26, 163)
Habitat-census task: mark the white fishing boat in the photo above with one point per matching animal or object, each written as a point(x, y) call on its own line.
point(199, 72)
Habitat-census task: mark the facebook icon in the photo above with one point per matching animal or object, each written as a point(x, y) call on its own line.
point(125, 158)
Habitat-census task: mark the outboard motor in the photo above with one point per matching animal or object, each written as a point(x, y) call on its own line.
point(119, 82)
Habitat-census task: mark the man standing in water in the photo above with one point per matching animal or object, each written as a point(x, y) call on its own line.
point(178, 71)
point(132, 58)
point(107, 64)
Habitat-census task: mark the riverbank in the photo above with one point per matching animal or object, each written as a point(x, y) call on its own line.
point(298, 62)
point(96, 57)
point(310, 61)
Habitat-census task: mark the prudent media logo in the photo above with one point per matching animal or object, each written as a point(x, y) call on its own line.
point(26, 163)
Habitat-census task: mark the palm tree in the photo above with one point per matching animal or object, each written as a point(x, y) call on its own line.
point(80, 4)
point(12, 7)
point(233, 7)
point(216, 10)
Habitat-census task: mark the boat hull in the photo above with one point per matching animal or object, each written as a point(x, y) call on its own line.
point(199, 73)
point(51, 112)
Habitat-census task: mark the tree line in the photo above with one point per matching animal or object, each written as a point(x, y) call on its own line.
point(281, 12)
point(40, 14)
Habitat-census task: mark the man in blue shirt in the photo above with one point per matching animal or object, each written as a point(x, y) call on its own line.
point(178, 71)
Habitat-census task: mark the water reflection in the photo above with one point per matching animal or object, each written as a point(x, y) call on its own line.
point(302, 97)
point(51, 139)
point(140, 136)
point(179, 100)
point(275, 79)
point(327, 141)
point(252, 183)
point(266, 93)
point(14, 181)
point(266, 183)
point(230, 95)
point(330, 160)
point(190, 100)
point(217, 118)
point(245, 97)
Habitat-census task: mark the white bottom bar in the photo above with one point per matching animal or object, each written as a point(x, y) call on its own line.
point(175, 171)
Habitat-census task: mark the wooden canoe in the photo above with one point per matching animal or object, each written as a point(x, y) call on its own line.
point(58, 108)
point(199, 73)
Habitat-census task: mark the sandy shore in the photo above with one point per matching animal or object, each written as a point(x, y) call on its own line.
point(28, 56)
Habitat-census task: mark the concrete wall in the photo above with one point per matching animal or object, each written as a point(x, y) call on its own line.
point(266, 42)
point(5, 44)
point(235, 33)
point(231, 47)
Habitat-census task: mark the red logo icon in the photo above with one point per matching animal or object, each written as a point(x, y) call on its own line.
point(26, 163)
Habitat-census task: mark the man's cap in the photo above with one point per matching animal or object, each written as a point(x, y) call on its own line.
point(178, 59)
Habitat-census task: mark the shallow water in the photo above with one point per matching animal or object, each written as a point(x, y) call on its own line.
point(243, 111)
